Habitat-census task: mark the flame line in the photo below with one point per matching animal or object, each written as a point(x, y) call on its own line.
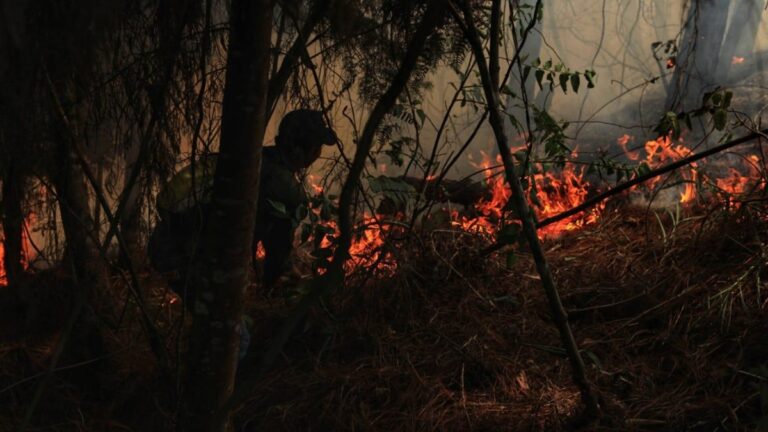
point(655, 173)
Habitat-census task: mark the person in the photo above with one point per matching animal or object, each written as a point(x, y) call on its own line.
point(183, 203)
point(298, 145)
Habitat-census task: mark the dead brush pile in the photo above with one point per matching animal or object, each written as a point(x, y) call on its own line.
point(668, 309)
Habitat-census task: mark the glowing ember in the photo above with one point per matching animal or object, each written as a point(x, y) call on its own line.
point(260, 253)
point(314, 183)
point(737, 60)
point(671, 62)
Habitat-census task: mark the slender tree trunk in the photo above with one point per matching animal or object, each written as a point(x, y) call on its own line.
point(13, 222)
point(432, 16)
point(739, 43)
point(81, 254)
point(698, 53)
point(81, 261)
point(227, 236)
point(130, 216)
point(523, 210)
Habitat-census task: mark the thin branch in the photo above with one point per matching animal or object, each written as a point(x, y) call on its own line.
point(645, 177)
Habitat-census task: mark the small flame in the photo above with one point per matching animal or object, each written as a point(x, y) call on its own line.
point(27, 251)
point(662, 151)
point(260, 252)
point(367, 247)
point(671, 62)
point(314, 183)
point(736, 60)
point(623, 141)
point(736, 183)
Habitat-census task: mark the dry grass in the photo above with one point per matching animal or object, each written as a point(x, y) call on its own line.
point(671, 321)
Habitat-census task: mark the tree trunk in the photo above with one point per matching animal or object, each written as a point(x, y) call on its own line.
point(81, 262)
point(81, 254)
point(229, 230)
point(740, 40)
point(525, 213)
point(698, 54)
point(13, 222)
point(130, 216)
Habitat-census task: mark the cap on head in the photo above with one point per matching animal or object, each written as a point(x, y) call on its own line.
point(304, 128)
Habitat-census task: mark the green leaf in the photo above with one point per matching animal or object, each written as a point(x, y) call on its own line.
point(509, 234)
point(575, 82)
point(590, 76)
point(526, 72)
point(643, 169)
point(325, 229)
point(325, 211)
point(564, 77)
point(278, 209)
point(322, 253)
point(520, 155)
point(421, 115)
point(721, 119)
point(511, 259)
point(727, 99)
point(508, 91)
point(592, 356)
point(306, 232)
point(539, 74)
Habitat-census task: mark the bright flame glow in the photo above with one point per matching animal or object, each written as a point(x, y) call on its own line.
point(554, 194)
point(662, 151)
point(27, 251)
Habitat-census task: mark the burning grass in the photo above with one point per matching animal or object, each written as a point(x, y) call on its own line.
point(668, 310)
point(671, 323)
point(668, 307)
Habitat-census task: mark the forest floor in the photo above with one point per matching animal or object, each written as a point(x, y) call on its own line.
point(669, 311)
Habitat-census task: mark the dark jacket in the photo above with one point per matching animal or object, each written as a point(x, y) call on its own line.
point(183, 215)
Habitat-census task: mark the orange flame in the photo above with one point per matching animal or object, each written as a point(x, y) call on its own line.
point(553, 193)
point(623, 141)
point(662, 151)
point(736, 60)
point(367, 248)
point(27, 251)
point(260, 252)
point(736, 183)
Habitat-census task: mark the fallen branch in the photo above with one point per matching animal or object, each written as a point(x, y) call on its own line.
point(649, 175)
